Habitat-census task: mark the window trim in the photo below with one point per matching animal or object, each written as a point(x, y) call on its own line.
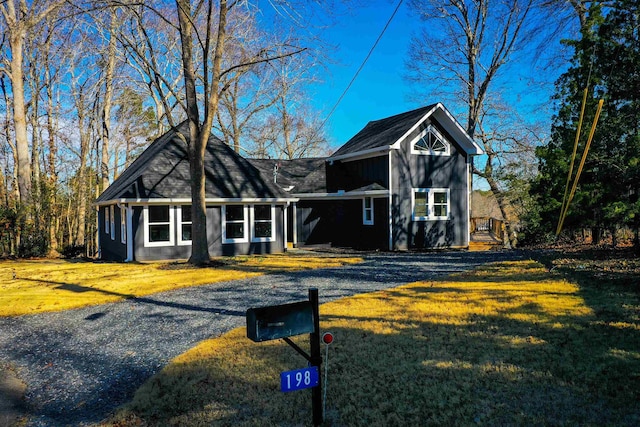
point(171, 224)
point(245, 221)
point(430, 204)
point(123, 225)
point(430, 129)
point(365, 209)
point(112, 222)
point(180, 223)
point(272, 238)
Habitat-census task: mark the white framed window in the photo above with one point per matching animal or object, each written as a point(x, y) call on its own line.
point(430, 142)
point(112, 222)
point(184, 224)
point(367, 211)
point(158, 225)
point(430, 204)
point(107, 221)
point(263, 223)
point(235, 224)
point(123, 225)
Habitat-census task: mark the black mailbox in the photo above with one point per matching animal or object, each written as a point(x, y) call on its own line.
point(279, 321)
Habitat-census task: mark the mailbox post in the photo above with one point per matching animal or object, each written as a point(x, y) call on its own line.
point(316, 357)
point(284, 321)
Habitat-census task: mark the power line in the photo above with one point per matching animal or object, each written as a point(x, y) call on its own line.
point(361, 66)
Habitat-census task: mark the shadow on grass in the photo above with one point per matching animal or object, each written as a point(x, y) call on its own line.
point(518, 364)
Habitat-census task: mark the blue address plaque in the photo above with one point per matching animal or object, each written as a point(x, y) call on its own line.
point(299, 379)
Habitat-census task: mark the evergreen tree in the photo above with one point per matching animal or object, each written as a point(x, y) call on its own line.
point(605, 60)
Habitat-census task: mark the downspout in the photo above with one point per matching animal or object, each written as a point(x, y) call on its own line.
point(98, 232)
point(294, 223)
point(390, 203)
point(286, 210)
point(469, 191)
point(129, 211)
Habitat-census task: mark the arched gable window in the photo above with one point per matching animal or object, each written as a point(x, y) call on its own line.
point(431, 142)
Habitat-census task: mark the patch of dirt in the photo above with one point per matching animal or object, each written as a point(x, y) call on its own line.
point(12, 409)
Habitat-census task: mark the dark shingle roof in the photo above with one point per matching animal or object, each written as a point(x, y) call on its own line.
point(384, 132)
point(305, 175)
point(162, 171)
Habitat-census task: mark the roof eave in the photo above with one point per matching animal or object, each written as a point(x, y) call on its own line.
point(211, 200)
point(343, 195)
point(372, 152)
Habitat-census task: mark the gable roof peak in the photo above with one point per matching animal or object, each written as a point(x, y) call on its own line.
point(381, 135)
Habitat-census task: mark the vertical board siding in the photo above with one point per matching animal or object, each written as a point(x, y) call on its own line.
point(425, 171)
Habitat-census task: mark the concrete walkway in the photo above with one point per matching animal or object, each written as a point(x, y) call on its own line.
point(80, 365)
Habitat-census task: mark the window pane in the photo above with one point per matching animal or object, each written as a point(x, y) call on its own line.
point(158, 214)
point(159, 233)
point(367, 203)
point(262, 212)
point(235, 230)
point(440, 210)
point(439, 147)
point(263, 229)
point(439, 197)
point(186, 232)
point(420, 208)
point(421, 145)
point(367, 215)
point(186, 213)
point(234, 213)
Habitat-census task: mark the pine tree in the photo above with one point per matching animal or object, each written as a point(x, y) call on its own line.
point(606, 61)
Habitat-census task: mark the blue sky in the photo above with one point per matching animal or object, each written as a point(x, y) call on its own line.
point(379, 91)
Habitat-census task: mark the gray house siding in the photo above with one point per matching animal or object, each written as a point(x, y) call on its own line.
point(214, 230)
point(314, 222)
point(415, 171)
point(340, 223)
point(351, 175)
point(112, 249)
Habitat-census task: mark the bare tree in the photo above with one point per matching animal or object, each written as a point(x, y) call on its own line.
point(19, 20)
point(207, 28)
point(151, 46)
point(248, 95)
point(108, 97)
point(290, 128)
point(464, 48)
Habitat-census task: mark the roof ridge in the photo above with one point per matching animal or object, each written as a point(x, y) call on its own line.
point(426, 107)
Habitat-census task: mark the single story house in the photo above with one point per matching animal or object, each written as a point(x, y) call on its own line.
point(401, 183)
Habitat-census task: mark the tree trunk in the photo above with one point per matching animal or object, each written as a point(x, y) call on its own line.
point(81, 214)
point(108, 96)
point(20, 118)
point(52, 180)
point(199, 135)
point(199, 245)
point(595, 236)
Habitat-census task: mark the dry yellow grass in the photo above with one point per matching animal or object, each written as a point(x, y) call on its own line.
point(508, 344)
point(28, 287)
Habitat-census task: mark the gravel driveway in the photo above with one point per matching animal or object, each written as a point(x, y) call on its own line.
point(80, 365)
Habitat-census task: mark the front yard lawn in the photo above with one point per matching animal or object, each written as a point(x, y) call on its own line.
point(35, 286)
point(507, 344)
